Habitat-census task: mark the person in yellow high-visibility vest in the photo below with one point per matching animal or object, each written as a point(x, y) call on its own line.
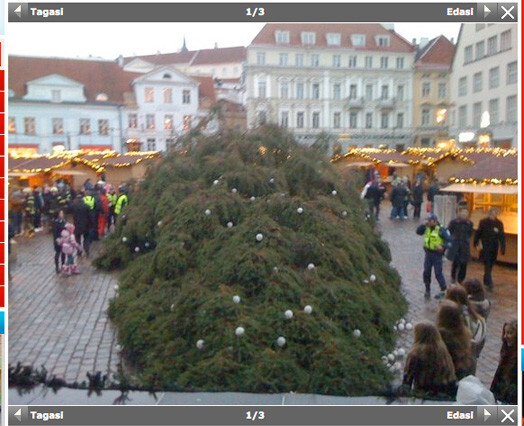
point(436, 241)
point(121, 201)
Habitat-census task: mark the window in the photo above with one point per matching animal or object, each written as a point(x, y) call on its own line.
point(186, 96)
point(103, 127)
point(262, 89)
point(283, 59)
point(369, 92)
point(186, 123)
point(284, 90)
point(149, 94)
point(426, 88)
point(480, 50)
point(383, 62)
point(442, 90)
point(353, 116)
point(300, 90)
point(463, 116)
point(261, 118)
point(167, 76)
point(56, 96)
point(315, 91)
point(492, 45)
point(261, 58)
point(315, 60)
point(463, 86)
point(511, 109)
point(316, 120)
point(505, 40)
point(168, 95)
point(336, 61)
point(132, 121)
point(300, 120)
point(425, 142)
point(384, 92)
point(468, 54)
point(424, 117)
point(150, 121)
point(383, 41)
point(282, 37)
point(336, 120)
point(400, 92)
point(369, 61)
point(352, 61)
point(511, 74)
point(400, 120)
point(11, 125)
point(151, 144)
point(170, 142)
point(58, 126)
point(85, 126)
point(358, 40)
point(284, 119)
point(477, 82)
point(299, 60)
point(493, 111)
point(307, 37)
point(353, 91)
point(400, 63)
point(333, 39)
point(477, 113)
point(369, 120)
point(494, 77)
point(384, 120)
point(168, 122)
point(337, 91)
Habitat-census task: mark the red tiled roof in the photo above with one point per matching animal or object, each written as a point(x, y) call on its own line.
point(221, 55)
point(165, 58)
point(439, 51)
point(96, 76)
point(501, 168)
point(398, 44)
point(228, 106)
point(38, 164)
point(206, 88)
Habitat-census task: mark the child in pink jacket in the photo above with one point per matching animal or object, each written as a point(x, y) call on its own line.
point(69, 245)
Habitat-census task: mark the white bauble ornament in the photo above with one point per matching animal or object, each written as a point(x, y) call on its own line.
point(311, 266)
point(275, 269)
point(308, 309)
point(172, 308)
point(392, 369)
point(402, 321)
point(281, 341)
point(282, 194)
point(288, 314)
point(401, 327)
point(401, 352)
point(356, 333)
point(239, 331)
point(137, 249)
point(234, 190)
point(409, 326)
point(124, 239)
point(366, 281)
point(272, 180)
point(372, 278)
point(344, 213)
point(215, 182)
point(385, 359)
point(391, 357)
point(200, 344)
point(252, 198)
point(236, 299)
point(147, 244)
point(395, 352)
point(207, 212)
point(398, 366)
point(333, 192)
point(230, 224)
point(259, 237)
point(300, 210)
point(115, 287)
point(118, 348)
point(159, 223)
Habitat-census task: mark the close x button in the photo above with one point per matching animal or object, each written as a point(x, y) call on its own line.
point(507, 415)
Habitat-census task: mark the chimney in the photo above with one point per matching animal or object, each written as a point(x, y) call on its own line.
point(414, 41)
point(452, 40)
point(423, 42)
point(389, 27)
point(216, 45)
point(120, 61)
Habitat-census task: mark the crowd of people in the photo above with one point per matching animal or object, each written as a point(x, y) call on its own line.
point(94, 210)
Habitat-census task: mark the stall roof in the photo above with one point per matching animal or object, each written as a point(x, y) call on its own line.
point(385, 156)
point(480, 188)
point(493, 170)
point(37, 165)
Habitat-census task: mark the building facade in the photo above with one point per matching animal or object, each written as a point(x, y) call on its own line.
point(352, 81)
point(484, 86)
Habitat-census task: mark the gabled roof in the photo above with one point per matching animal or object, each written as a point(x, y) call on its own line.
point(438, 52)
point(206, 88)
point(219, 56)
point(96, 76)
point(494, 169)
point(164, 58)
point(267, 36)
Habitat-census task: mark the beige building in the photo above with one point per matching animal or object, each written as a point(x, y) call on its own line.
point(431, 92)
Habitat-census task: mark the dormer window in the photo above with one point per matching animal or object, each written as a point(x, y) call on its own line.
point(383, 41)
point(307, 38)
point(282, 37)
point(333, 39)
point(167, 76)
point(56, 96)
point(102, 97)
point(11, 93)
point(358, 40)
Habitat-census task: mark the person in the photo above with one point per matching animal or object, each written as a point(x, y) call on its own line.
point(477, 297)
point(436, 240)
point(111, 197)
point(52, 203)
point(82, 222)
point(104, 212)
point(406, 183)
point(88, 186)
point(457, 338)
point(16, 210)
point(429, 368)
point(475, 322)
point(417, 198)
point(491, 234)
point(505, 384)
point(433, 190)
point(39, 208)
point(121, 201)
point(10, 234)
point(68, 245)
point(398, 194)
point(29, 210)
point(374, 193)
point(461, 230)
point(58, 225)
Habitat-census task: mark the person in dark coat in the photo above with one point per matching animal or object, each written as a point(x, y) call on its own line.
point(374, 195)
point(461, 230)
point(58, 225)
point(82, 221)
point(398, 195)
point(433, 190)
point(491, 234)
point(417, 197)
point(505, 382)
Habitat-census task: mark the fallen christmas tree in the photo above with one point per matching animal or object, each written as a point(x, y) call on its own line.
point(247, 264)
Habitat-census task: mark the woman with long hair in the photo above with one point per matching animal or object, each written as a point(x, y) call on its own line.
point(504, 385)
point(457, 337)
point(429, 368)
point(477, 297)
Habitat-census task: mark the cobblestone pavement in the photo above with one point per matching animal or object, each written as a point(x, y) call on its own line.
point(57, 321)
point(408, 259)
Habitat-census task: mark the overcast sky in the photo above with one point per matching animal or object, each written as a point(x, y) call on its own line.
point(108, 40)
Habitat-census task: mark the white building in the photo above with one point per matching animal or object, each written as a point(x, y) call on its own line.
point(353, 81)
point(484, 85)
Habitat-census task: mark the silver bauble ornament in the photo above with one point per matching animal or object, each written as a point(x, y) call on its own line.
point(288, 314)
point(308, 309)
point(240, 331)
point(281, 341)
point(356, 333)
point(200, 344)
point(259, 237)
point(236, 299)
